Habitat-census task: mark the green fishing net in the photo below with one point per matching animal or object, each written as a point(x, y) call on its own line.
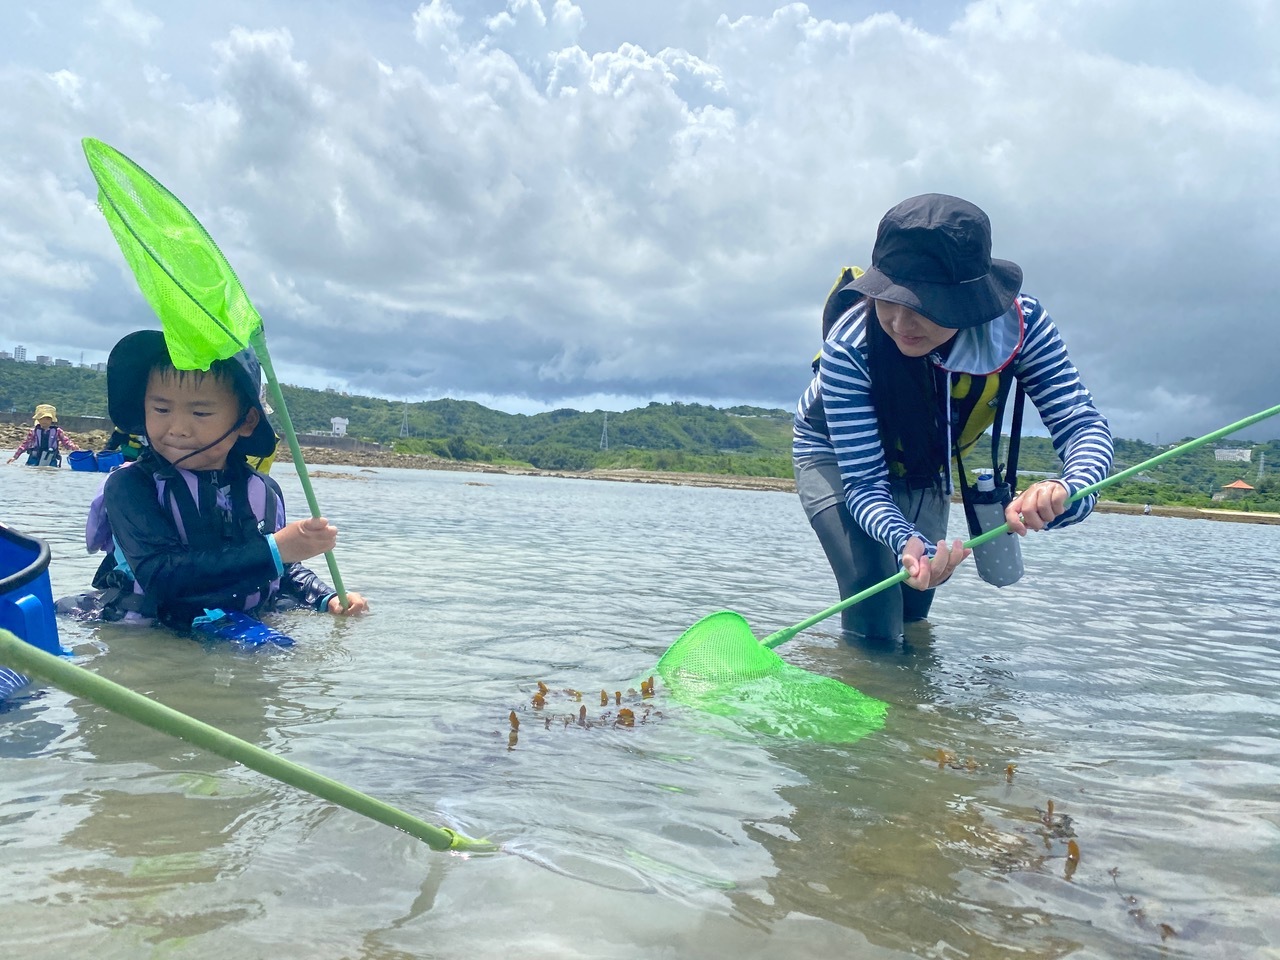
point(718, 666)
point(205, 312)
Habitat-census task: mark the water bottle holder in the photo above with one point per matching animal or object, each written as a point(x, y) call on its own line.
point(999, 561)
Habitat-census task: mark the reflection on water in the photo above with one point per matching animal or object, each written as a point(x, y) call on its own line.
point(1130, 681)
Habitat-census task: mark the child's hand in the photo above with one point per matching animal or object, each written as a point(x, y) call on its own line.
point(355, 604)
point(304, 539)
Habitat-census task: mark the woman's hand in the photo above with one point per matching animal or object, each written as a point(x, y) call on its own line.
point(925, 574)
point(355, 604)
point(1036, 507)
point(304, 539)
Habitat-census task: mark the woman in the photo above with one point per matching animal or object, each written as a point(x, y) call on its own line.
point(914, 348)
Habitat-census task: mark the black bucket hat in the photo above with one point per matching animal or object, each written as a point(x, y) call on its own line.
point(130, 364)
point(933, 255)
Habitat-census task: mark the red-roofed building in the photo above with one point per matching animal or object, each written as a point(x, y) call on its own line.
point(1236, 489)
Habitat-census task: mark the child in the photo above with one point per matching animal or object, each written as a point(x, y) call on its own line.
point(45, 440)
point(130, 445)
point(189, 526)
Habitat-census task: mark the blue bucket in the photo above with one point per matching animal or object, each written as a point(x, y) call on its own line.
point(108, 459)
point(85, 460)
point(26, 599)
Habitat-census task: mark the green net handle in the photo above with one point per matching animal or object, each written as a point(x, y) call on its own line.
point(22, 656)
point(259, 344)
point(782, 636)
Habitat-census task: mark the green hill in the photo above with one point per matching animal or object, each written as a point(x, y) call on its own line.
point(749, 441)
point(687, 437)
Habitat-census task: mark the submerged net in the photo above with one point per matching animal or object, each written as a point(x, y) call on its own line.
point(718, 666)
point(205, 312)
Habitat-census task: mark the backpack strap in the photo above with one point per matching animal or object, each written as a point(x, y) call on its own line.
point(1002, 474)
point(840, 299)
point(1015, 436)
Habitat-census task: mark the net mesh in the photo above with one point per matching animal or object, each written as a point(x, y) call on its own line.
point(202, 307)
point(718, 666)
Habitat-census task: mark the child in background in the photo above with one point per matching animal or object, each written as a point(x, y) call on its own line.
point(45, 439)
point(189, 526)
point(129, 445)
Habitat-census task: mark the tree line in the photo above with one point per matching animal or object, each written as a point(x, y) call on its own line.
point(684, 437)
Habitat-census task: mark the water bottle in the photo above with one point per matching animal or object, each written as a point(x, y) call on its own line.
point(1000, 560)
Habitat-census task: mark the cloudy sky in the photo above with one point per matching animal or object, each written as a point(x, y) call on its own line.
point(594, 204)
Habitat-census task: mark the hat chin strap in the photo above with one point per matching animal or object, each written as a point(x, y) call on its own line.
point(208, 446)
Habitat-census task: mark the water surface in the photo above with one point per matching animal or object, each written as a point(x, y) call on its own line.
point(1130, 678)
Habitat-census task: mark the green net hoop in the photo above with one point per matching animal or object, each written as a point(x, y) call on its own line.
point(204, 310)
point(718, 666)
point(205, 313)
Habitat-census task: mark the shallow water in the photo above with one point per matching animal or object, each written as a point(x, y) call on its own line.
point(1131, 678)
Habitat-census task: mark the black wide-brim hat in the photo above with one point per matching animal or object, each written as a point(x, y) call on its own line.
point(933, 255)
point(129, 367)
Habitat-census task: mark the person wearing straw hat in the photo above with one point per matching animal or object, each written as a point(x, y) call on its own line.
point(189, 527)
point(933, 320)
point(46, 439)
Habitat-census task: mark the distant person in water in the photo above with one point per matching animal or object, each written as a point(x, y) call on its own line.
point(189, 526)
point(44, 443)
point(912, 358)
point(129, 444)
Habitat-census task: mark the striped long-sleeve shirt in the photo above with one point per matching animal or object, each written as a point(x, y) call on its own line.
point(841, 391)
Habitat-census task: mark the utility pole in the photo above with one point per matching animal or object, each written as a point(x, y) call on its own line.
point(604, 432)
point(404, 421)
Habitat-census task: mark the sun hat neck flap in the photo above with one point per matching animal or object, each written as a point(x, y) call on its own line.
point(933, 255)
point(130, 364)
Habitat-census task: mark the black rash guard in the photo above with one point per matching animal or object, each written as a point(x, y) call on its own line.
point(226, 560)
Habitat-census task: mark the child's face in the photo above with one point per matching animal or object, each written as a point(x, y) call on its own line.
point(188, 413)
point(45, 422)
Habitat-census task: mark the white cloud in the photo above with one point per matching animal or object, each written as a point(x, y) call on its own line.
point(129, 22)
point(483, 199)
point(435, 26)
point(68, 84)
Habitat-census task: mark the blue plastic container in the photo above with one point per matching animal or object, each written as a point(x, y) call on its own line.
point(108, 459)
point(84, 460)
point(26, 599)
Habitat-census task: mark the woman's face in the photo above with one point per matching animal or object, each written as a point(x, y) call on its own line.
point(916, 336)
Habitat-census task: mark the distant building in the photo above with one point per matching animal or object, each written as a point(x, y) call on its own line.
point(20, 353)
point(5, 355)
point(339, 426)
point(1235, 490)
point(1227, 454)
point(100, 367)
point(61, 363)
point(44, 361)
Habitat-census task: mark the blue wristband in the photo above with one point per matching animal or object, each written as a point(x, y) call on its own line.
point(275, 553)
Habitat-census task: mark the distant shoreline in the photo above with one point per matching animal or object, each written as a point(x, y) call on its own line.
point(11, 436)
point(322, 456)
